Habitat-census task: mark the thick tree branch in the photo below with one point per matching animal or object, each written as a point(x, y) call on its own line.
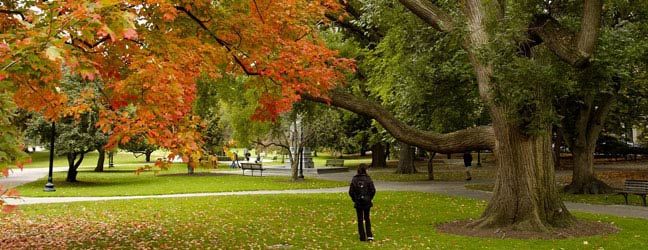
point(220, 41)
point(476, 138)
point(590, 22)
point(598, 117)
point(430, 13)
point(575, 49)
point(558, 39)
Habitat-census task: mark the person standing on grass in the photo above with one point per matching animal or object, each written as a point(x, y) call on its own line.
point(362, 192)
point(467, 157)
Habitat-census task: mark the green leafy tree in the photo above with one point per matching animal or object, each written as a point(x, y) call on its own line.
point(138, 145)
point(613, 77)
point(76, 134)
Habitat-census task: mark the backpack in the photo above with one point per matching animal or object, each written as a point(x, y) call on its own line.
point(362, 192)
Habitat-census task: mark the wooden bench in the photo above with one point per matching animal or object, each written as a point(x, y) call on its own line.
point(334, 163)
point(637, 187)
point(251, 166)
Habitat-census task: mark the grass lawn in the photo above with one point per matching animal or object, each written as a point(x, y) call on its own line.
point(401, 220)
point(121, 181)
point(40, 159)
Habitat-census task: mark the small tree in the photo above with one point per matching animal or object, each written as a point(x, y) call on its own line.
point(138, 145)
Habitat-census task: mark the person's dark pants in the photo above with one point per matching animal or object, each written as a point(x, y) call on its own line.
point(363, 215)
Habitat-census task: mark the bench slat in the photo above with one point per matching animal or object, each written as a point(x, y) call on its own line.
point(252, 167)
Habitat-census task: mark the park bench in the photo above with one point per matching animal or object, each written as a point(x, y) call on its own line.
point(334, 163)
point(637, 187)
point(251, 166)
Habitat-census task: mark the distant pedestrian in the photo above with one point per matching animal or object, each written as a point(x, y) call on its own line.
point(247, 154)
point(235, 161)
point(362, 192)
point(467, 157)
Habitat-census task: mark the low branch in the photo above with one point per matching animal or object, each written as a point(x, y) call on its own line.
point(558, 39)
point(476, 138)
point(430, 13)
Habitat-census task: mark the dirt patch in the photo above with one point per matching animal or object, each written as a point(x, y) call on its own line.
point(581, 228)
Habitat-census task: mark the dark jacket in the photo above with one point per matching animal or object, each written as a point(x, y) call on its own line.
point(467, 157)
point(353, 192)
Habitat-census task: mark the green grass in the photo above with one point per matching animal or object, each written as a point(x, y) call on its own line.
point(121, 181)
point(40, 159)
point(401, 220)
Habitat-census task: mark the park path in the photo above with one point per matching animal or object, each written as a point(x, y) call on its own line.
point(439, 187)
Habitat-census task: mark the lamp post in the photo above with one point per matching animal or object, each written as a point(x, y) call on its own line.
point(111, 163)
point(49, 186)
point(301, 149)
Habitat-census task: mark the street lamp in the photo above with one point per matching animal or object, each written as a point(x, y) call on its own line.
point(111, 162)
point(301, 162)
point(49, 187)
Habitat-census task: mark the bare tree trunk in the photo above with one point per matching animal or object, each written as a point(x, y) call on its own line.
point(525, 194)
point(148, 155)
point(406, 160)
point(584, 180)
point(378, 156)
point(430, 169)
point(190, 169)
point(100, 160)
point(582, 143)
point(73, 166)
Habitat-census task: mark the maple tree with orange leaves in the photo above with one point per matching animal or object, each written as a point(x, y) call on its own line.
point(149, 54)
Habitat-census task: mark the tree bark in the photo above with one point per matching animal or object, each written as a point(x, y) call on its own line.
point(406, 160)
point(481, 137)
point(584, 180)
point(73, 166)
point(582, 143)
point(525, 194)
point(378, 156)
point(148, 155)
point(430, 168)
point(100, 160)
point(190, 169)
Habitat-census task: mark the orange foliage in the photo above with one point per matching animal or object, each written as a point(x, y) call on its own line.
point(149, 53)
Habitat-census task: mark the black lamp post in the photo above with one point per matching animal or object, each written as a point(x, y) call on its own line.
point(49, 187)
point(301, 162)
point(111, 162)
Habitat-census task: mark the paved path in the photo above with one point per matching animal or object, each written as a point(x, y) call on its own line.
point(440, 187)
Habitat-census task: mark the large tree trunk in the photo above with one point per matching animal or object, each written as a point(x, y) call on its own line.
point(100, 160)
point(148, 155)
point(73, 166)
point(525, 194)
point(430, 168)
point(378, 156)
point(584, 180)
point(406, 160)
point(190, 168)
point(582, 143)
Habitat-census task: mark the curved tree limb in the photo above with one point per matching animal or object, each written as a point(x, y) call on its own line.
point(475, 138)
point(575, 49)
point(430, 13)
